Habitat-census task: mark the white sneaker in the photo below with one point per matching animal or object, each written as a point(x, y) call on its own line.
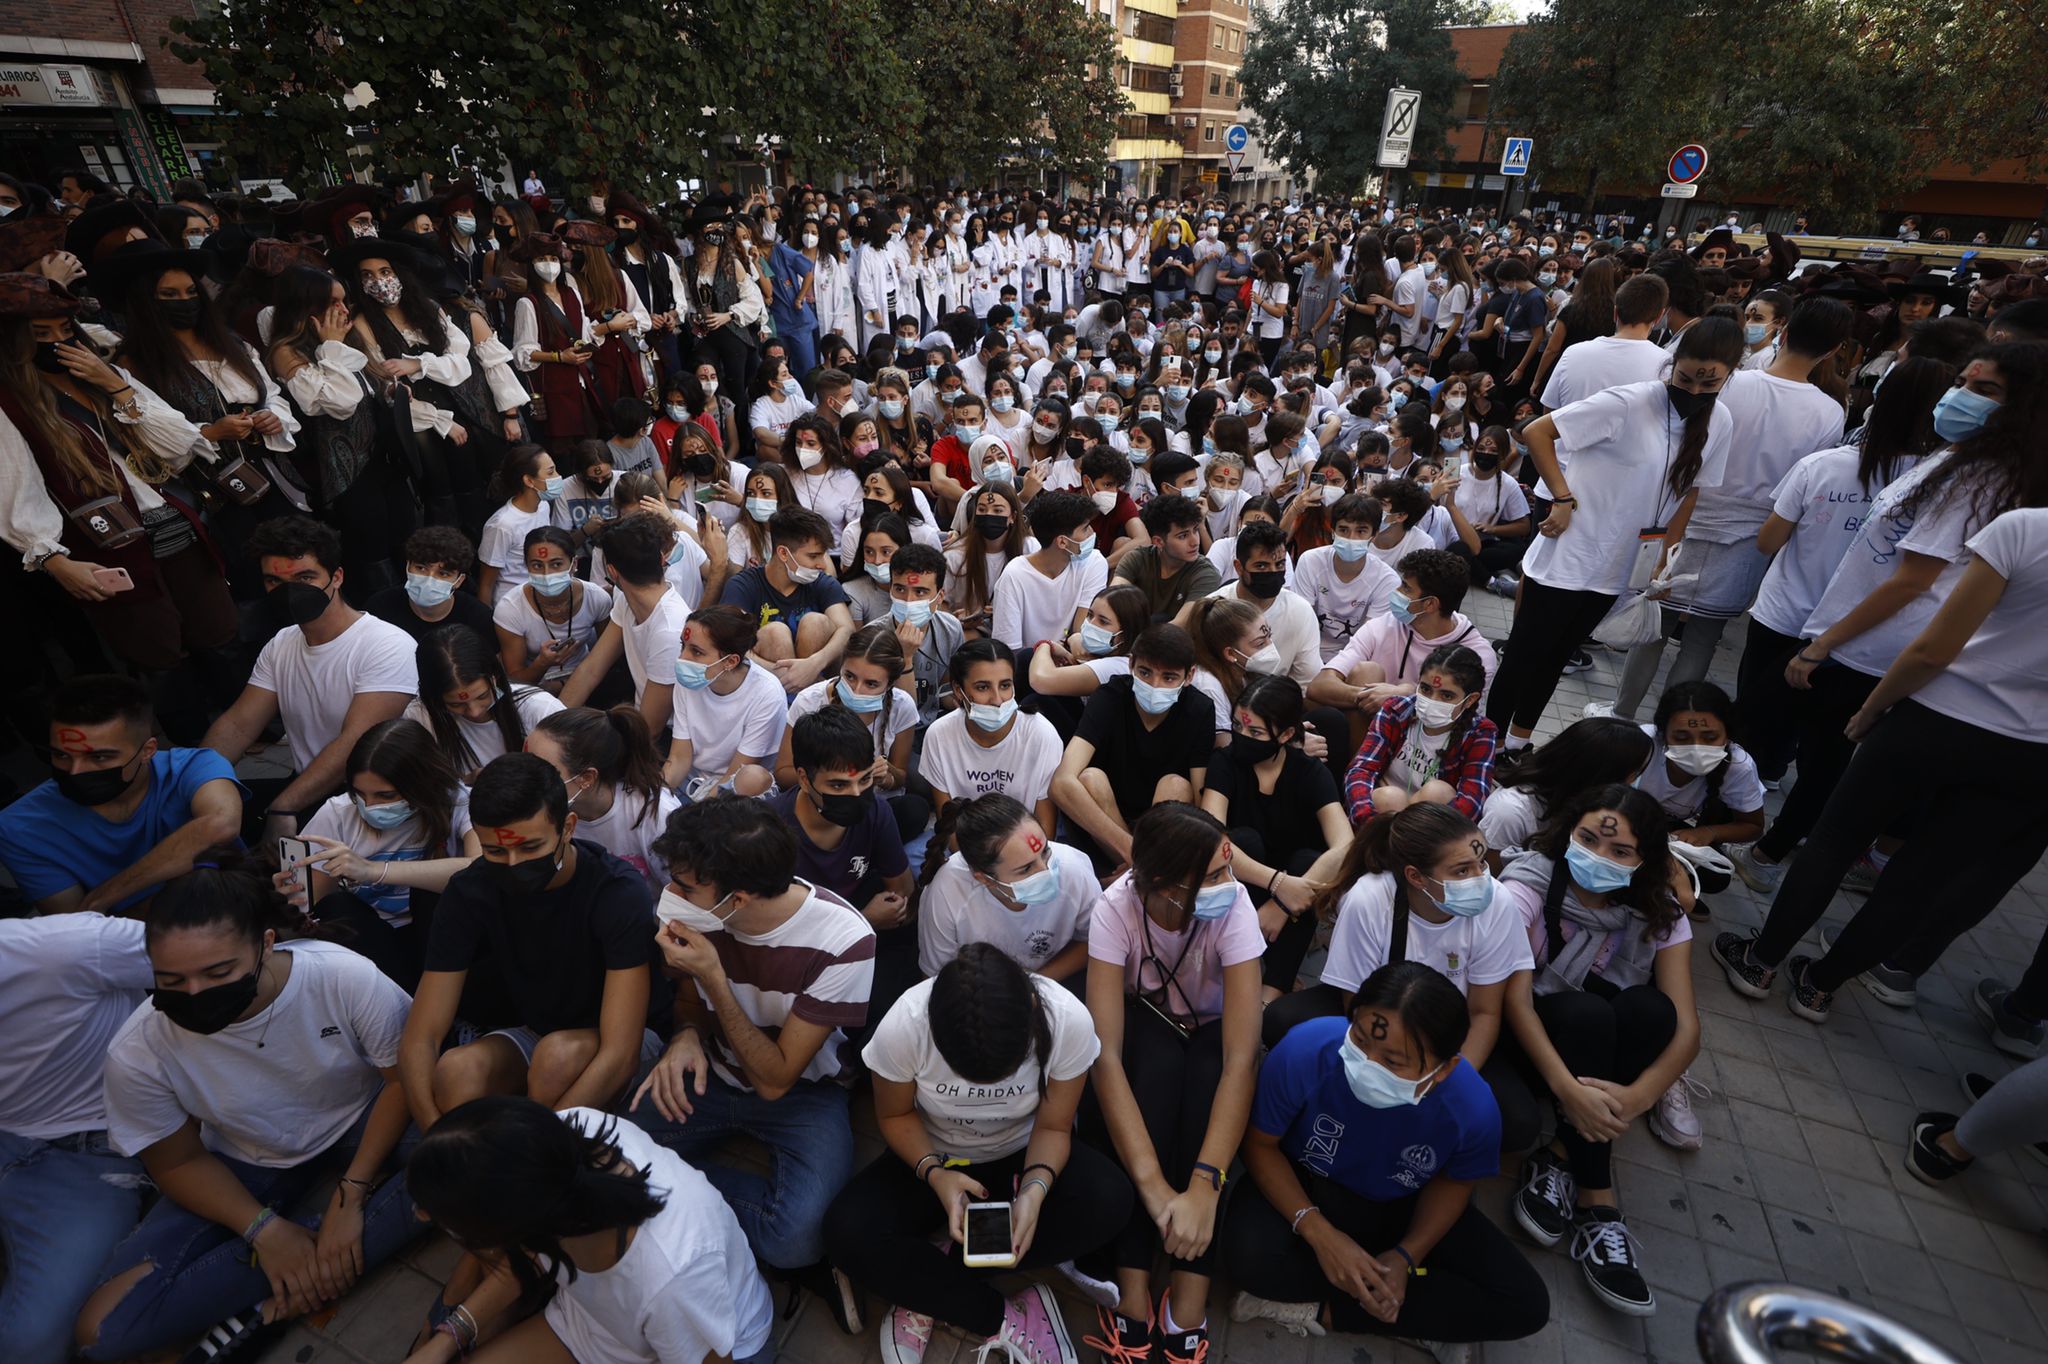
point(1597, 710)
point(1761, 877)
point(1296, 1318)
point(1672, 1120)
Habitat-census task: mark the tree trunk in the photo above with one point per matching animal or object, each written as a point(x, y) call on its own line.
point(1592, 190)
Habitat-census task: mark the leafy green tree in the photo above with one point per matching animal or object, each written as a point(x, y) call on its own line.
point(1316, 74)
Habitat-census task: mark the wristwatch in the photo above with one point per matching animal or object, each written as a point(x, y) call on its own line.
point(1215, 1176)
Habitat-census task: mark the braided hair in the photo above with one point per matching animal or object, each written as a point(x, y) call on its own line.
point(1708, 699)
point(987, 1017)
point(1469, 673)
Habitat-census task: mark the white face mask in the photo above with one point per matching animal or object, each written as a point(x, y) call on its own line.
point(1435, 714)
point(672, 908)
point(548, 270)
point(798, 574)
point(809, 457)
point(1698, 759)
point(1105, 502)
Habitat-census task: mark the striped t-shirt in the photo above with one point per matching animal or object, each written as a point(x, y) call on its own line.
point(818, 965)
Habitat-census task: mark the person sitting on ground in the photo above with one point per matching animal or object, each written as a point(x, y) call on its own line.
point(1343, 581)
point(119, 816)
point(438, 560)
point(978, 1077)
point(1144, 739)
point(800, 609)
point(1384, 658)
point(329, 673)
point(646, 624)
point(1599, 751)
point(986, 745)
point(730, 710)
point(644, 1259)
point(469, 703)
point(869, 688)
point(260, 1071)
point(1706, 782)
point(1170, 570)
point(930, 635)
point(1380, 1232)
point(771, 973)
point(607, 762)
point(1008, 885)
point(1042, 595)
point(1432, 748)
point(563, 932)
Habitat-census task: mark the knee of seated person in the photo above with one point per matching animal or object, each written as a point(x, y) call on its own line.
point(813, 633)
point(1173, 788)
point(460, 1075)
point(774, 641)
point(1389, 800)
point(752, 780)
point(1366, 675)
point(1434, 792)
point(558, 1059)
point(1095, 782)
point(1648, 1008)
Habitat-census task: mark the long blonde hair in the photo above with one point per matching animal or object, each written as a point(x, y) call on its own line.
point(18, 375)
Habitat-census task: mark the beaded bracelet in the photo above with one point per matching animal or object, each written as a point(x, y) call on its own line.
point(256, 1226)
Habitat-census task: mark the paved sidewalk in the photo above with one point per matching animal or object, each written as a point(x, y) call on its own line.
point(1800, 1177)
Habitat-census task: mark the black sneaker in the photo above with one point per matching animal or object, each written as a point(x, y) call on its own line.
point(1579, 661)
point(1544, 1205)
point(1124, 1340)
point(1976, 1086)
point(1606, 1251)
point(1746, 975)
point(1181, 1347)
point(2010, 1033)
point(1925, 1160)
point(1886, 984)
point(1806, 999)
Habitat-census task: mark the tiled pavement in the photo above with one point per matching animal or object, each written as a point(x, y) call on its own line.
point(1800, 1177)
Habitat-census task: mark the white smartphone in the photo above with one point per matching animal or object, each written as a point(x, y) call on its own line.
point(1450, 466)
point(292, 856)
point(990, 1240)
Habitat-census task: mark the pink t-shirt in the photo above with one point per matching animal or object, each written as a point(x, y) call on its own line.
point(1120, 933)
point(1400, 651)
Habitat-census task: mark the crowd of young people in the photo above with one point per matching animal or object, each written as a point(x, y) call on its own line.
point(958, 654)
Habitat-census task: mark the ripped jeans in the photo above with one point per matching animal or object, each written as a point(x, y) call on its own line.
point(64, 1204)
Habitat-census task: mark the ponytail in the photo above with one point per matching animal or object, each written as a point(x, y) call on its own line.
point(613, 743)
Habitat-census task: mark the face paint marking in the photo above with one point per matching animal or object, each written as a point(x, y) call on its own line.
point(1378, 1031)
point(1609, 825)
point(73, 741)
point(1034, 842)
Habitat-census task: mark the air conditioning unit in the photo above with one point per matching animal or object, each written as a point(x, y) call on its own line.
point(1187, 120)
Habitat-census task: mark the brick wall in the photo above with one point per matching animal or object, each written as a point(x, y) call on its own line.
point(144, 23)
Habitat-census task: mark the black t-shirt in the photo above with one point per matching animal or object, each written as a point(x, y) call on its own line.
point(1133, 757)
point(392, 605)
point(549, 951)
point(1286, 819)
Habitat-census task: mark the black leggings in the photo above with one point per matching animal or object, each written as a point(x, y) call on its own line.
point(1495, 555)
point(1284, 954)
point(1479, 1286)
point(1838, 692)
point(879, 1231)
point(1174, 1081)
point(1606, 1034)
point(1953, 785)
point(399, 953)
point(1766, 706)
point(1549, 624)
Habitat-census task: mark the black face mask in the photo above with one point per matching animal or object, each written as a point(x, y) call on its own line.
point(210, 1010)
point(1485, 461)
point(1266, 585)
point(1687, 404)
point(93, 788)
point(845, 811)
point(1245, 749)
point(46, 356)
point(872, 507)
point(182, 314)
point(628, 236)
point(530, 877)
point(702, 466)
point(503, 234)
point(295, 603)
point(992, 528)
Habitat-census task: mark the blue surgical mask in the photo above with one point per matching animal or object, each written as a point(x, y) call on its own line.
point(1372, 1084)
point(1154, 700)
point(1598, 874)
point(992, 718)
point(857, 703)
point(691, 675)
point(879, 572)
point(383, 816)
point(1403, 610)
point(1469, 896)
point(426, 590)
point(1041, 887)
point(675, 551)
point(1096, 640)
point(1351, 551)
point(761, 508)
point(1754, 333)
point(966, 435)
point(892, 408)
point(553, 491)
point(1001, 404)
point(552, 584)
point(931, 371)
point(1213, 902)
point(1084, 548)
point(1961, 414)
point(1177, 393)
point(999, 473)
point(918, 613)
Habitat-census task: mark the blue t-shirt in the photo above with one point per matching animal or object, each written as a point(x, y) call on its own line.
point(52, 844)
point(750, 590)
point(1382, 1154)
point(854, 871)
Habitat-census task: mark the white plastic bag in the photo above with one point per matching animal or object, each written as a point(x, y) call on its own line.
point(1638, 617)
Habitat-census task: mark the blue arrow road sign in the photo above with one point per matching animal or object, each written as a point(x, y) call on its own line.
point(1236, 138)
point(1515, 159)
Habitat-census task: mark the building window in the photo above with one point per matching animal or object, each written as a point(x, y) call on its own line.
point(1476, 101)
point(1215, 83)
point(1208, 132)
point(1236, 41)
point(1230, 87)
point(1219, 39)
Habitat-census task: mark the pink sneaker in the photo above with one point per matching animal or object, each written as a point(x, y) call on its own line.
point(1033, 1332)
point(906, 1336)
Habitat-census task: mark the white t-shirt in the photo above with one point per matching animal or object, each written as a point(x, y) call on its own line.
point(957, 910)
point(685, 1290)
point(316, 683)
point(1826, 501)
point(486, 741)
point(1509, 819)
point(1741, 786)
point(832, 493)
point(1484, 949)
point(1410, 290)
point(1776, 423)
point(1420, 759)
point(1030, 606)
point(719, 728)
point(1489, 501)
point(1999, 681)
point(980, 1122)
point(1267, 325)
point(325, 1039)
point(1940, 527)
point(504, 543)
point(897, 715)
point(774, 414)
point(67, 984)
point(1297, 637)
point(1020, 764)
point(1602, 363)
point(651, 646)
point(622, 832)
point(1416, 538)
point(515, 614)
point(338, 819)
point(1620, 443)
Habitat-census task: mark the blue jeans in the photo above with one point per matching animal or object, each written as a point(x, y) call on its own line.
point(203, 1272)
point(1162, 297)
point(62, 1208)
point(810, 1147)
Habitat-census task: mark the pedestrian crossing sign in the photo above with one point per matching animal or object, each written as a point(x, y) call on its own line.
point(1515, 159)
